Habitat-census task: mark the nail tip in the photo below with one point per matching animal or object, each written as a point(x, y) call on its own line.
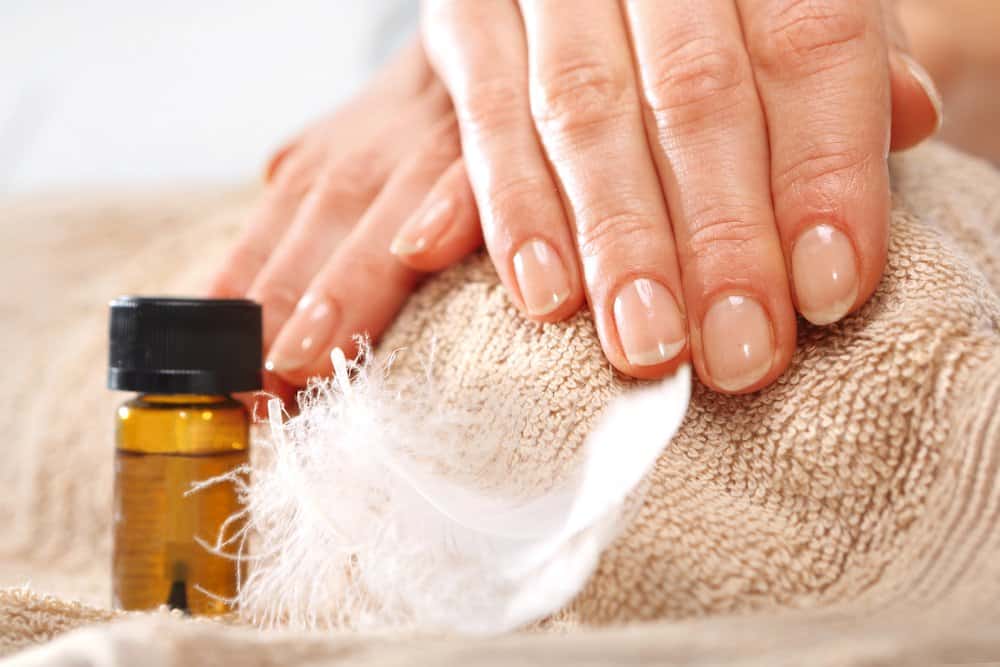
point(404, 249)
point(831, 315)
point(822, 319)
point(661, 354)
point(556, 301)
point(743, 382)
point(926, 82)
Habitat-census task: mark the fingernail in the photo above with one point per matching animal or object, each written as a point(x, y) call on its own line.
point(649, 323)
point(541, 277)
point(306, 336)
point(422, 231)
point(825, 274)
point(739, 346)
point(923, 78)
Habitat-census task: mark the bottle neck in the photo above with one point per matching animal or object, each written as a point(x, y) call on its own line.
point(185, 399)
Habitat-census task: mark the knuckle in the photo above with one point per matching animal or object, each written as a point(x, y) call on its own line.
point(825, 171)
point(516, 199)
point(452, 14)
point(371, 268)
point(618, 233)
point(235, 277)
point(698, 75)
point(353, 180)
point(489, 104)
point(441, 148)
point(249, 255)
point(802, 37)
point(295, 177)
point(274, 292)
point(576, 95)
point(718, 233)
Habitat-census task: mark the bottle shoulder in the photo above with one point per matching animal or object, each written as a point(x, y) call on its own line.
point(182, 424)
point(184, 401)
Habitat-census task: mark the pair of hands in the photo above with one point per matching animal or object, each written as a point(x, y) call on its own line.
point(697, 170)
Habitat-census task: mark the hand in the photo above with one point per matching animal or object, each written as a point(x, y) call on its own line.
point(698, 170)
point(316, 250)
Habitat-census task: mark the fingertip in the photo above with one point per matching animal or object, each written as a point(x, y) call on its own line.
point(656, 371)
point(566, 308)
point(445, 227)
point(462, 237)
point(744, 341)
point(917, 107)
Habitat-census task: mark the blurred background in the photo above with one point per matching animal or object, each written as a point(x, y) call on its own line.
point(133, 93)
point(138, 94)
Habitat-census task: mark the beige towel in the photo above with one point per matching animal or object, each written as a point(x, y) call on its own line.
point(849, 514)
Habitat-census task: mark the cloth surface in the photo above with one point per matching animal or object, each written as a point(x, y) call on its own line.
point(849, 514)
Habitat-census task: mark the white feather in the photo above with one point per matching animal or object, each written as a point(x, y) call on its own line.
point(371, 508)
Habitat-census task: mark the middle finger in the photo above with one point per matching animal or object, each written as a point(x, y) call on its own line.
point(710, 142)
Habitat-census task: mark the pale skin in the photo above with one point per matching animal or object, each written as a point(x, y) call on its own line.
point(696, 172)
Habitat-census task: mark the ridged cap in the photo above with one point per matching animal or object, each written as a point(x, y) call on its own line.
point(185, 346)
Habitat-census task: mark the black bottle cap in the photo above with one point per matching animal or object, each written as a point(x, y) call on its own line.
point(185, 346)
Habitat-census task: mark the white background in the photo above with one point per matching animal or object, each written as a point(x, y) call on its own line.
point(142, 93)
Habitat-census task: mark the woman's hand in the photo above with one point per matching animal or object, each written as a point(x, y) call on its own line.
point(316, 250)
point(697, 170)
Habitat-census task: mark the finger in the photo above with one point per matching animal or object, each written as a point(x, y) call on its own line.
point(268, 222)
point(362, 286)
point(272, 387)
point(707, 130)
point(278, 158)
point(823, 75)
point(446, 226)
point(408, 82)
point(588, 115)
point(478, 49)
point(916, 103)
point(346, 187)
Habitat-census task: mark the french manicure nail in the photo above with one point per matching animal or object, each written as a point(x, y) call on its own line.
point(739, 345)
point(541, 277)
point(825, 274)
point(923, 78)
point(307, 335)
point(649, 323)
point(424, 230)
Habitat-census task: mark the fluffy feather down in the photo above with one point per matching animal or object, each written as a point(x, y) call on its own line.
point(365, 511)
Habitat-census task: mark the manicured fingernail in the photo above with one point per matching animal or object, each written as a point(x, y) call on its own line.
point(306, 336)
point(541, 277)
point(739, 346)
point(923, 78)
point(825, 274)
point(423, 230)
point(649, 323)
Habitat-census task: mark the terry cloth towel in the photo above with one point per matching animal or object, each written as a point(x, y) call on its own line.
point(849, 514)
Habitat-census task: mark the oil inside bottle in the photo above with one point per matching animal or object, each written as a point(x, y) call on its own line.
point(166, 444)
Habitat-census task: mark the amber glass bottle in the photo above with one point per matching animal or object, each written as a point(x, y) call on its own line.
point(184, 357)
